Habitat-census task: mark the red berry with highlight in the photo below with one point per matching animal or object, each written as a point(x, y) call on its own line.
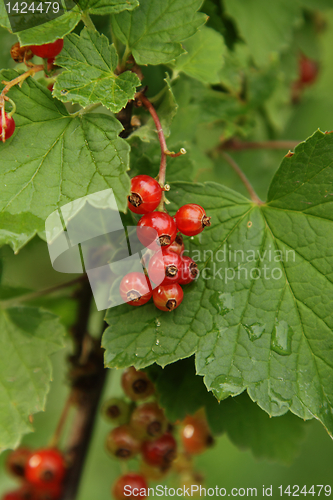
point(191, 219)
point(48, 50)
point(160, 452)
point(45, 468)
point(130, 486)
point(162, 223)
point(135, 289)
point(10, 126)
point(146, 194)
point(168, 297)
point(196, 436)
point(188, 271)
point(164, 267)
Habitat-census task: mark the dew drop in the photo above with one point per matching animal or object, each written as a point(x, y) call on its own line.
point(255, 330)
point(209, 359)
point(157, 342)
point(223, 302)
point(64, 92)
point(281, 338)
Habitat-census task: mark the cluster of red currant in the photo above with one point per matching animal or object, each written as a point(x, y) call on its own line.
point(40, 472)
point(20, 54)
point(168, 268)
point(142, 428)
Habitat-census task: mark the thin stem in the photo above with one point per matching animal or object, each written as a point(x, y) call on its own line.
point(8, 85)
point(40, 293)
point(54, 442)
point(86, 19)
point(254, 197)
point(236, 145)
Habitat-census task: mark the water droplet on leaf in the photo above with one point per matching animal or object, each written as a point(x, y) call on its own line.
point(281, 338)
point(255, 330)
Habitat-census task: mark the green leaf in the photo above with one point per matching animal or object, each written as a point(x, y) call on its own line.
point(204, 57)
point(181, 392)
point(54, 158)
point(273, 22)
point(28, 337)
point(154, 30)
point(50, 31)
point(260, 316)
point(104, 7)
point(90, 62)
point(4, 21)
point(166, 108)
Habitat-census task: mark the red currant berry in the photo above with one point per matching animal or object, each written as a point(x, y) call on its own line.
point(149, 421)
point(164, 267)
point(10, 126)
point(161, 452)
point(17, 460)
point(117, 411)
point(45, 468)
point(177, 246)
point(25, 492)
point(168, 297)
point(136, 384)
point(146, 194)
point(196, 436)
point(135, 289)
point(162, 223)
point(188, 271)
point(308, 70)
point(48, 493)
point(50, 87)
point(191, 219)
point(130, 486)
point(48, 50)
point(122, 442)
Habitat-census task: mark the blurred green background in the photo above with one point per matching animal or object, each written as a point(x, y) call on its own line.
point(224, 465)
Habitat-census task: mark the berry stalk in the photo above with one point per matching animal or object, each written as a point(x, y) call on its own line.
point(141, 99)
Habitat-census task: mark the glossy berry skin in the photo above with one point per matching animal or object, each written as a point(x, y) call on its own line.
point(146, 194)
point(188, 271)
point(195, 435)
point(45, 468)
point(162, 223)
point(10, 126)
point(164, 267)
point(136, 384)
point(48, 50)
point(308, 70)
point(168, 297)
point(135, 289)
point(191, 219)
point(117, 411)
point(122, 442)
point(17, 461)
point(148, 421)
point(136, 487)
point(177, 246)
point(160, 452)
